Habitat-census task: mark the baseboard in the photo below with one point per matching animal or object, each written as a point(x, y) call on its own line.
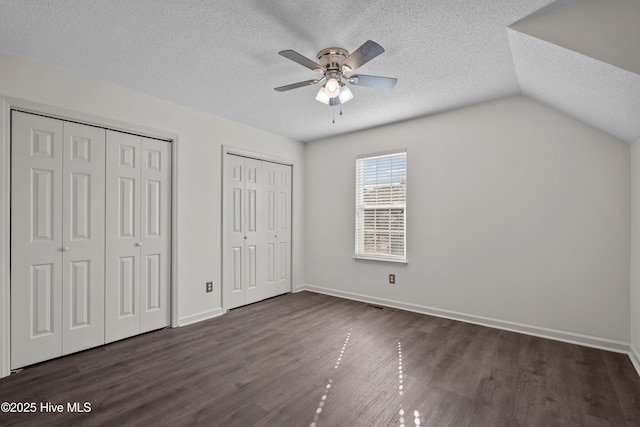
point(634, 355)
point(554, 334)
point(199, 317)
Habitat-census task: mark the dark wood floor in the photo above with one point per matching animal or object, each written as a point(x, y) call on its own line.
point(306, 358)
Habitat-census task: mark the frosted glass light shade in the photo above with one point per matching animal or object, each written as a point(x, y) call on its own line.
point(322, 96)
point(332, 87)
point(345, 94)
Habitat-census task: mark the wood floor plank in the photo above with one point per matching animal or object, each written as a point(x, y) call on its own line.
point(269, 364)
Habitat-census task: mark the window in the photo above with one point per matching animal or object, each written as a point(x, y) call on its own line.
point(381, 189)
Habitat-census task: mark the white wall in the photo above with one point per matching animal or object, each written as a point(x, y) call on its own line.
point(635, 254)
point(518, 216)
point(200, 140)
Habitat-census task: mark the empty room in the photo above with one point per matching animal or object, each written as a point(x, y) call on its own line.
point(294, 213)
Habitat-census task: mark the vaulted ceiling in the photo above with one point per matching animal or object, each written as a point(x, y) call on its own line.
point(221, 57)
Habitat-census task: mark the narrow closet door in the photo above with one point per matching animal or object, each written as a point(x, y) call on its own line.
point(270, 235)
point(233, 220)
point(253, 280)
point(123, 237)
point(83, 199)
point(36, 239)
point(155, 220)
point(283, 228)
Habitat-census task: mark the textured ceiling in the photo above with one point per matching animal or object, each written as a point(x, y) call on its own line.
point(221, 57)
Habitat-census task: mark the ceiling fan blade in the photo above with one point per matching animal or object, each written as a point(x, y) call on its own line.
point(297, 85)
point(373, 81)
point(302, 60)
point(362, 55)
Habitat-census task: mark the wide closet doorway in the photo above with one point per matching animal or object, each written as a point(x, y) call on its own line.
point(90, 236)
point(256, 254)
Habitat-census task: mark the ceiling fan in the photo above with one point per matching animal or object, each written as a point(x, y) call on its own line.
point(334, 63)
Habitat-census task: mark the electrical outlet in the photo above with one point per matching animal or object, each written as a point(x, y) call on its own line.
point(209, 286)
point(392, 279)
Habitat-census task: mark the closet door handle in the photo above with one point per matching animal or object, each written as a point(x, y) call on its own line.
point(138, 244)
point(65, 248)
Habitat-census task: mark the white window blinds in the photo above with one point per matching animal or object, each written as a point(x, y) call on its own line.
point(381, 197)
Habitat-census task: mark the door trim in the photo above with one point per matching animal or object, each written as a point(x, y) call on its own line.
point(227, 149)
point(6, 105)
point(254, 155)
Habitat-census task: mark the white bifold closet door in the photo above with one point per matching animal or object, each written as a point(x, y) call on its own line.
point(257, 230)
point(138, 235)
point(90, 236)
point(57, 238)
point(277, 235)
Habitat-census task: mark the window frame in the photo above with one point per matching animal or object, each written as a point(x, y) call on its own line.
point(361, 207)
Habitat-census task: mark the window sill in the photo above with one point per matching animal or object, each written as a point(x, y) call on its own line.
point(366, 258)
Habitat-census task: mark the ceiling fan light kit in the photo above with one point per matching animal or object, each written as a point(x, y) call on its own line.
point(344, 95)
point(333, 63)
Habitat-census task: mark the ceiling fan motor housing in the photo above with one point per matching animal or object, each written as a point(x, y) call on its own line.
point(330, 58)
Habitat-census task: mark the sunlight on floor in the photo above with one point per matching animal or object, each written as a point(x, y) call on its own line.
point(316, 417)
point(401, 412)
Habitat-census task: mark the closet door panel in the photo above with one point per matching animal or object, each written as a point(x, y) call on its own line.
point(83, 198)
point(36, 239)
point(155, 220)
point(233, 255)
point(269, 236)
point(283, 226)
point(253, 250)
point(123, 236)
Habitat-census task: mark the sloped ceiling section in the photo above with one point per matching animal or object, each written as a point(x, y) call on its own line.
point(597, 93)
point(608, 30)
point(584, 60)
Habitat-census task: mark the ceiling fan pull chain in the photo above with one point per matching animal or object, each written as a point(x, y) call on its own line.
point(340, 109)
point(333, 112)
